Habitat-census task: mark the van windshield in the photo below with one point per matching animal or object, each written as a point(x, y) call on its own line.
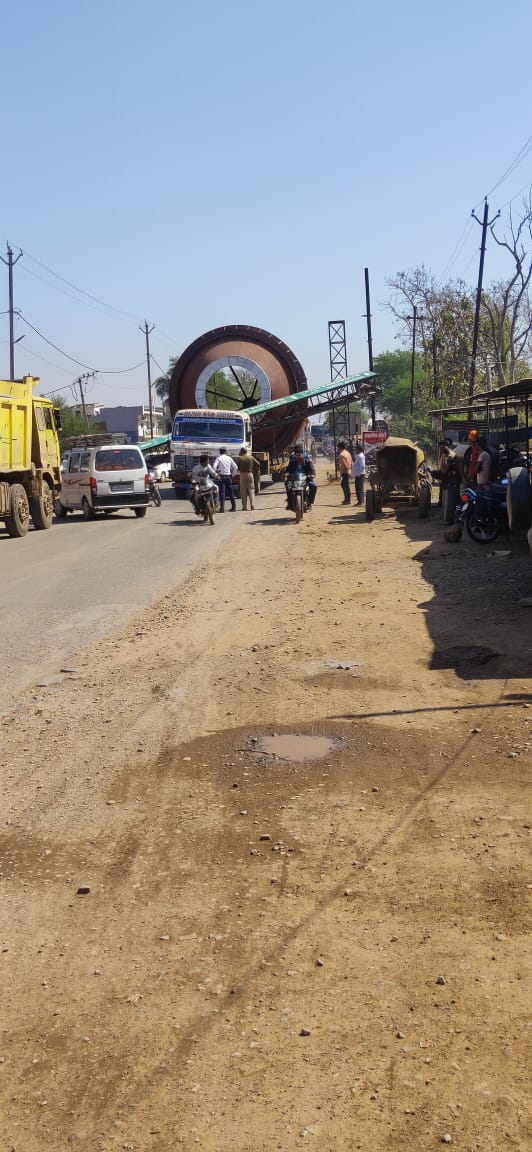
point(118, 460)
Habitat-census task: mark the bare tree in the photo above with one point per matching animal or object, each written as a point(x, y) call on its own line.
point(507, 305)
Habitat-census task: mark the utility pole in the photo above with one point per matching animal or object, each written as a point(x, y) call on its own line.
point(80, 379)
point(370, 345)
point(83, 405)
point(414, 320)
point(485, 223)
point(412, 373)
point(147, 331)
point(10, 265)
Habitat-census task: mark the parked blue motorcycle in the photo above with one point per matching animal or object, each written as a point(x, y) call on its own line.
point(484, 512)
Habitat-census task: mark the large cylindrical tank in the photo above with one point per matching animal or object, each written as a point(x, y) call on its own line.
point(274, 367)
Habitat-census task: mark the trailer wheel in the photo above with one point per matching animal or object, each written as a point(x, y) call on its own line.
point(370, 505)
point(424, 502)
point(42, 508)
point(18, 521)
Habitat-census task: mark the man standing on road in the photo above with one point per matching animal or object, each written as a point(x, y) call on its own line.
point(483, 462)
point(359, 472)
point(345, 461)
point(246, 464)
point(225, 468)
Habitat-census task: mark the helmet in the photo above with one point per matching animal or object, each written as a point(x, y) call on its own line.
point(472, 436)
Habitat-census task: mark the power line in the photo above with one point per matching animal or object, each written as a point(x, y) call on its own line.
point(460, 244)
point(89, 367)
point(69, 295)
point(156, 362)
point(521, 155)
point(525, 187)
point(82, 292)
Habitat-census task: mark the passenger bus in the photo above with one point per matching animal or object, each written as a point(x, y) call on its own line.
point(197, 431)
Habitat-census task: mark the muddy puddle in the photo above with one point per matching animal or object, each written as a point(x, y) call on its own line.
point(296, 748)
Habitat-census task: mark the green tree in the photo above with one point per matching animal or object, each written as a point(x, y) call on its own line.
point(395, 376)
point(73, 423)
point(161, 386)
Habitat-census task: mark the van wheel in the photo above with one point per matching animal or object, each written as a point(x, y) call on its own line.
point(88, 512)
point(42, 508)
point(60, 510)
point(140, 512)
point(18, 521)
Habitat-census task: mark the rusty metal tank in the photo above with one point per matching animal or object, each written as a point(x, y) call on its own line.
point(273, 366)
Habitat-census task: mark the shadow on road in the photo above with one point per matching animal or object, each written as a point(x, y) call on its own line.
point(477, 618)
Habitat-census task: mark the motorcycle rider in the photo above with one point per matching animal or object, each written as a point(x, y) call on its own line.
point(298, 464)
point(200, 473)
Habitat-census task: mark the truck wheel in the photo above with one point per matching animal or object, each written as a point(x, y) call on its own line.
point(140, 512)
point(42, 508)
point(88, 512)
point(18, 521)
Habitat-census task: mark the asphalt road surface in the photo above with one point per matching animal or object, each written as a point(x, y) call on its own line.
point(63, 588)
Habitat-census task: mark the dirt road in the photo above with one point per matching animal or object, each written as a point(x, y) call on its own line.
point(205, 945)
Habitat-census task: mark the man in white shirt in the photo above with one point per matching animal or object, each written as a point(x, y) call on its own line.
point(225, 469)
point(359, 472)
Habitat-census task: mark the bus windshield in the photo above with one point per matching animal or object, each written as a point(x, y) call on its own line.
point(215, 428)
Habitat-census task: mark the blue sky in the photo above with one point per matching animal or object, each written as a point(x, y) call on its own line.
point(219, 163)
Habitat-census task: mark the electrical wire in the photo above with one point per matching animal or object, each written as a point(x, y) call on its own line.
point(31, 351)
point(459, 246)
point(82, 292)
point(521, 155)
point(525, 187)
point(70, 296)
point(89, 367)
point(156, 362)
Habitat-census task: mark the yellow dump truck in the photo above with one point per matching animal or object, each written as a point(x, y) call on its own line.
point(30, 459)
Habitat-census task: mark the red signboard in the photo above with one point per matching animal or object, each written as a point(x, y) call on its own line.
point(371, 438)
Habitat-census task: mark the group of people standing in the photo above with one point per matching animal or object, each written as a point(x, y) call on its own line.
point(223, 470)
point(352, 465)
point(477, 466)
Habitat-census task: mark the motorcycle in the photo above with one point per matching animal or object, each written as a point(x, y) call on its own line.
point(204, 496)
point(155, 495)
point(484, 512)
point(297, 492)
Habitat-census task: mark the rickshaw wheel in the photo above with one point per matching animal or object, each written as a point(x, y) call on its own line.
point(424, 502)
point(370, 505)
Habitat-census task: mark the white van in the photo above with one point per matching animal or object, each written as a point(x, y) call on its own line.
point(103, 479)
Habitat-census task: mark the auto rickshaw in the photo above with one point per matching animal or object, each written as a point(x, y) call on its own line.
point(399, 479)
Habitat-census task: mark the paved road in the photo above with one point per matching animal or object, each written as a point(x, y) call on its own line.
point(64, 588)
